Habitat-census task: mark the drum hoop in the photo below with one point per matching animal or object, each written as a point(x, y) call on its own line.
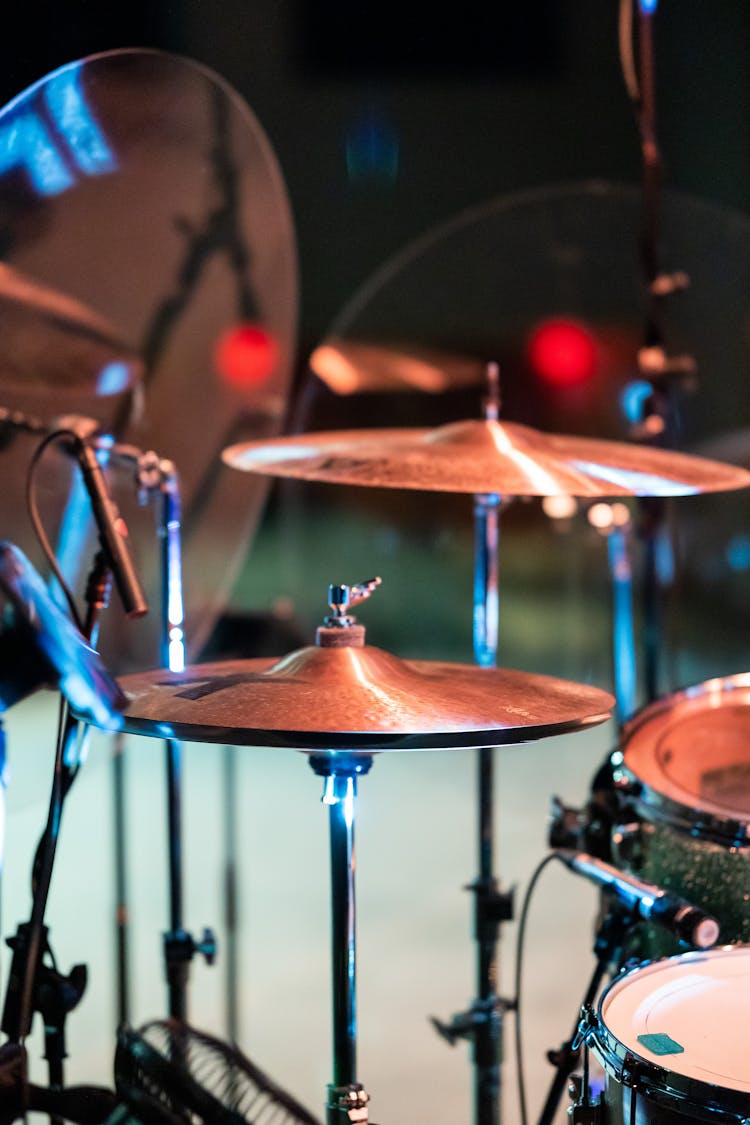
point(705, 1099)
point(656, 808)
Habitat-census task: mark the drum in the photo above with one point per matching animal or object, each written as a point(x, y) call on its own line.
point(673, 1039)
point(682, 775)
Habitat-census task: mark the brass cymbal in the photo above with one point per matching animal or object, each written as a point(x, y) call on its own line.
point(350, 367)
point(486, 456)
point(358, 699)
point(50, 339)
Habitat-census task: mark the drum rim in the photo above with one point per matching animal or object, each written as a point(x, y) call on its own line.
point(655, 1081)
point(657, 806)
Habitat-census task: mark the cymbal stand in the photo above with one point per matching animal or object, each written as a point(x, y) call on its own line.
point(482, 1023)
point(346, 1097)
point(615, 526)
point(160, 476)
point(665, 373)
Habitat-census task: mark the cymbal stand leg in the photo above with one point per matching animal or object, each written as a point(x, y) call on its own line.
point(346, 1097)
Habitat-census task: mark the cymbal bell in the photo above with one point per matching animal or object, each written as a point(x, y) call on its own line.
point(49, 339)
point(486, 456)
point(358, 699)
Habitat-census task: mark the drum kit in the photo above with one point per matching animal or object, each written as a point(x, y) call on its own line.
point(664, 833)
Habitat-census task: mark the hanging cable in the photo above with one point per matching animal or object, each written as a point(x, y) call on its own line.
point(520, 938)
point(36, 521)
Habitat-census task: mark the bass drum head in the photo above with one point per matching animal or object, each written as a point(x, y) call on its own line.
point(690, 754)
point(674, 1032)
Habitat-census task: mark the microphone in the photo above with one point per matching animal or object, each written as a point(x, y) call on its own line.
point(652, 903)
point(113, 533)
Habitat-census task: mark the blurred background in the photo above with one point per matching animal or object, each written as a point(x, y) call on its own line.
point(424, 182)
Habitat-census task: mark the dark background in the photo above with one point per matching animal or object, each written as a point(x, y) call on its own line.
point(446, 107)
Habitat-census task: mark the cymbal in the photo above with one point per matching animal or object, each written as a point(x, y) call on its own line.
point(50, 339)
point(486, 456)
point(350, 367)
point(358, 699)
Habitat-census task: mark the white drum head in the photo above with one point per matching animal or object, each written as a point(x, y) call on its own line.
point(687, 1015)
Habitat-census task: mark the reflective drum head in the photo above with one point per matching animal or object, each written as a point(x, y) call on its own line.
point(691, 751)
point(675, 1031)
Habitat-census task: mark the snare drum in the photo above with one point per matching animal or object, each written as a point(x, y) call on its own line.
point(683, 775)
point(673, 1038)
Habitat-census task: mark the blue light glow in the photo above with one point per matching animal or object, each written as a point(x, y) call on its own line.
point(349, 803)
point(738, 552)
point(372, 151)
point(26, 143)
point(648, 7)
point(623, 632)
point(633, 398)
point(76, 123)
point(113, 378)
point(176, 652)
point(85, 700)
point(635, 482)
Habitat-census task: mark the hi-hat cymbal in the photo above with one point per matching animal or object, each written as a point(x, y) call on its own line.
point(49, 339)
point(486, 456)
point(358, 699)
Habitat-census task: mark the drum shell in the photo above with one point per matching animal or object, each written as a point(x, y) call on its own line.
point(671, 832)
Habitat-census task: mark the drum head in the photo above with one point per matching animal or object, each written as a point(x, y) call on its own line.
point(693, 748)
point(686, 1015)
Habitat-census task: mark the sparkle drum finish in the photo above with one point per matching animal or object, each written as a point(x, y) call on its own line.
point(683, 775)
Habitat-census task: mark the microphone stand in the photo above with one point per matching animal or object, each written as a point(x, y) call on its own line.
point(33, 984)
point(608, 945)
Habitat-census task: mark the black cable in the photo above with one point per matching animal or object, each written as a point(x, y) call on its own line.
point(36, 521)
point(520, 936)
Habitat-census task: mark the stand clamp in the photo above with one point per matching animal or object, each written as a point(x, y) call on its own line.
point(54, 996)
point(347, 1104)
point(491, 907)
point(180, 948)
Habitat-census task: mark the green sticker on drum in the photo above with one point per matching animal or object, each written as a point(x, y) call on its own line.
point(659, 1043)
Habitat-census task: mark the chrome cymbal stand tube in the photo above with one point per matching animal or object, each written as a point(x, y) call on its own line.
point(159, 477)
point(346, 1097)
point(482, 1023)
point(179, 945)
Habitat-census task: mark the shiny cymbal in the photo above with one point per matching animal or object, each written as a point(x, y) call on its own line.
point(350, 367)
point(486, 456)
point(359, 699)
point(50, 339)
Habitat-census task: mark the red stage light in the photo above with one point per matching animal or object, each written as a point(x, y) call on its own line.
point(246, 355)
point(562, 352)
